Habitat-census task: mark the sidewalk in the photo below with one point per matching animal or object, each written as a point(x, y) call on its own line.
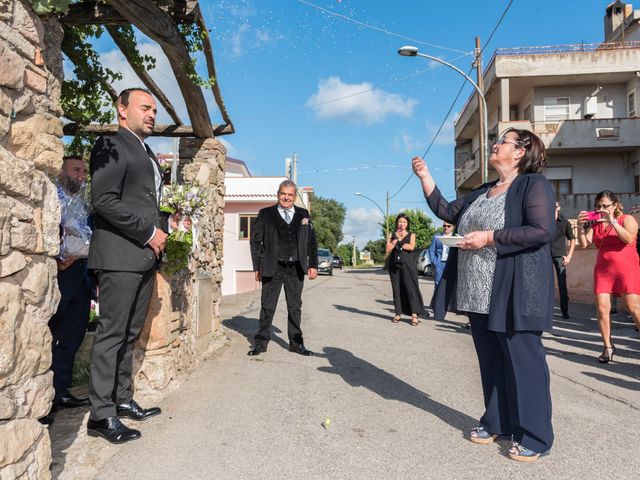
point(400, 399)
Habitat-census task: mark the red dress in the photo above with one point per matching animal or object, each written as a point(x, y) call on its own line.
point(617, 269)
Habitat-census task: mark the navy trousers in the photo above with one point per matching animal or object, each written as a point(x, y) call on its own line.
point(515, 384)
point(69, 324)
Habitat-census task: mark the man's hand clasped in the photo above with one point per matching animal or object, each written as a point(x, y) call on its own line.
point(312, 273)
point(158, 242)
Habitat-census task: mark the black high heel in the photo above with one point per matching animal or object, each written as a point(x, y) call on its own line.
point(607, 354)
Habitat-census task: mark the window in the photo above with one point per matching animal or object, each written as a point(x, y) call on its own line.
point(246, 224)
point(631, 103)
point(526, 114)
point(561, 187)
point(556, 109)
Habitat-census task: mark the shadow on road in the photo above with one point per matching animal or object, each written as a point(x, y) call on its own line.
point(360, 373)
point(248, 326)
point(366, 313)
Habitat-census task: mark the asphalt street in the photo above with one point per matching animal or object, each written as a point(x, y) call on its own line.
point(400, 399)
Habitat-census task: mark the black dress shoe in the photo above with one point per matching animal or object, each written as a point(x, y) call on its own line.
point(135, 412)
point(565, 316)
point(112, 430)
point(301, 350)
point(257, 350)
point(69, 401)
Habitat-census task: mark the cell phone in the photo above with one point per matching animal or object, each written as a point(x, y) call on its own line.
point(593, 216)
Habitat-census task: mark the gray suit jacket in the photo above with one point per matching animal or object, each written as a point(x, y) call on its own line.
point(123, 194)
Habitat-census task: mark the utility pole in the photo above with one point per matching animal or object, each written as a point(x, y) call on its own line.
point(481, 132)
point(353, 255)
point(386, 218)
point(295, 168)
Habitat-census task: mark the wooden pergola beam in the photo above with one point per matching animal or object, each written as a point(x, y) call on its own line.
point(158, 131)
point(143, 74)
point(211, 68)
point(93, 12)
point(159, 26)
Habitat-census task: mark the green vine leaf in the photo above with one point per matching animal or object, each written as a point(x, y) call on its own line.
point(44, 7)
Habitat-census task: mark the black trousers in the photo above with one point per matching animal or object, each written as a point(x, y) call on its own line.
point(515, 384)
point(561, 273)
point(292, 277)
point(124, 300)
point(69, 324)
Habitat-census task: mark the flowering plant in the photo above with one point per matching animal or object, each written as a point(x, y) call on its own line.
point(185, 199)
point(185, 203)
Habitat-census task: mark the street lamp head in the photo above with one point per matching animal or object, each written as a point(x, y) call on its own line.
point(408, 51)
point(358, 193)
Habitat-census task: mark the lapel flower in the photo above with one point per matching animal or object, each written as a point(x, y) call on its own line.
point(305, 221)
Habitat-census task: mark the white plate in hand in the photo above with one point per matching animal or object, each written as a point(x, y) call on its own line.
point(451, 241)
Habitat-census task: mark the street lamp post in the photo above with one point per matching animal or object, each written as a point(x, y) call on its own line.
point(386, 215)
point(411, 51)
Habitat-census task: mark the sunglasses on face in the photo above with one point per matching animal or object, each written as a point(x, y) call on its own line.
point(518, 143)
point(602, 206)
point(447, 226)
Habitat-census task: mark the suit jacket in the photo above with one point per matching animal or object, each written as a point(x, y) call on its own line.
point(123, 194)
point(522, 293)
point(435, 257)
point(265, 245)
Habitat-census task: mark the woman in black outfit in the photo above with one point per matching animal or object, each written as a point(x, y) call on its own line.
point(403, 272)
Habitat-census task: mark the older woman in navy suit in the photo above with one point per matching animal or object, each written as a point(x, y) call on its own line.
point(502, 277)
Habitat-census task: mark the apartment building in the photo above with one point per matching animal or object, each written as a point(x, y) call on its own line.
point(582, 100)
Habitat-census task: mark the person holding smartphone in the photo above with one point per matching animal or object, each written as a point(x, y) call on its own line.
point(617, 271)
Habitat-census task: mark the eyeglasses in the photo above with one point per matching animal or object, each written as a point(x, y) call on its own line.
point(518, 143)
point(602, 206)
point(447, 226)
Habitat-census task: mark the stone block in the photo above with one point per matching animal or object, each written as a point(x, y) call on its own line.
point(27, 23)
point(11, 68)
point(7, 407)
point(6, 104)
point(22, 211)
point(11, 314)
point(47, 224)
point(39, 139)
point(34, 281)
point(24, 434)
point(38, 59)
point(158, 330)
point(35, 81)
point(12, 263)
point(38, 394)
point(23, 236)
point(23, 104)
point(5, 225)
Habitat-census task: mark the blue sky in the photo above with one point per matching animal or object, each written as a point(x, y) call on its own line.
point(322, 78)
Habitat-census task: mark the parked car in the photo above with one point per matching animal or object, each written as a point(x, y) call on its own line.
point(325, 261)
point(424, 264)
point(337, 262)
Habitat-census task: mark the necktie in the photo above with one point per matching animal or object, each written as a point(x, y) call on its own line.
point(287, 216)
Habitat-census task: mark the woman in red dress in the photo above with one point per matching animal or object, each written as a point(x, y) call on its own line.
point(617, 269)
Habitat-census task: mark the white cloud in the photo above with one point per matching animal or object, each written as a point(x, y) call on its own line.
point(406, 143)
point(364, 224)
point(336, 98)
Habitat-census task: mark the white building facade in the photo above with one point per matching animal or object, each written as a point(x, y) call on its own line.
point(582, 100)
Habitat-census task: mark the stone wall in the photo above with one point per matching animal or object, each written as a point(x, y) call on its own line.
point(183, 322)
point(30, 150)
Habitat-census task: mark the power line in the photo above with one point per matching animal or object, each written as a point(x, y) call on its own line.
point(504, 13)
point(378, 29)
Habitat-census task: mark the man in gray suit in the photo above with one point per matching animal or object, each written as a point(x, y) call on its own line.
point(127, 241)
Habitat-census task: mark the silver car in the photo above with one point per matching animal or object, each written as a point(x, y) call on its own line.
point(325, 261)
point(424, 264)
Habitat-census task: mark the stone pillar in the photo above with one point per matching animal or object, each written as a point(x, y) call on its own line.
point(183, 322)
point(31, 149)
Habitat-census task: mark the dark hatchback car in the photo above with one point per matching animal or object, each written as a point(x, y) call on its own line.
point(337, 262)
point(325, 261)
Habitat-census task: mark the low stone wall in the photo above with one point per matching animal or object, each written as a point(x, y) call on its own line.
point(183, 322)
point(30, 150)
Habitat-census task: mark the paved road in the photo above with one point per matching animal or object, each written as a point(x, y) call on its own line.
point(400, 400)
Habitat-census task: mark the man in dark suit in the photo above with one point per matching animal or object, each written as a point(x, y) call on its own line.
point(126, 244)
point(283, 250)
point(69, 323)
